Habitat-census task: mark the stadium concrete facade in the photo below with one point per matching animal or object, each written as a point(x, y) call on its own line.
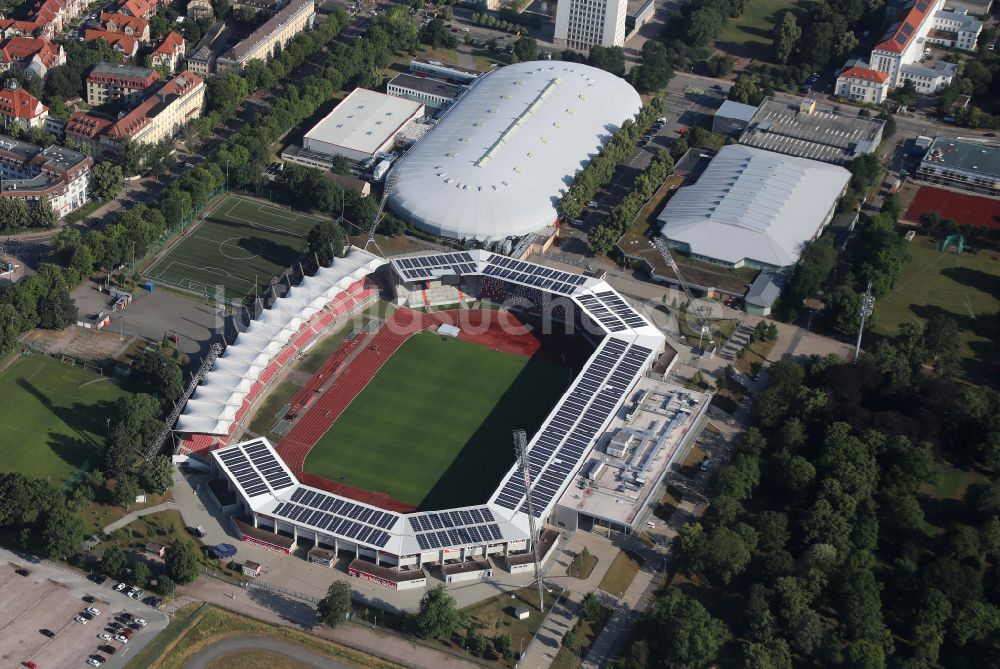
point(271, 507)
point(499, 159)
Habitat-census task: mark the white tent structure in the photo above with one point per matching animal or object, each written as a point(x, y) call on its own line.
point(215, 404)
point(500, 158)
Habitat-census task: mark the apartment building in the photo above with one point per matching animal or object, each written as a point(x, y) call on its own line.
point(20, 108)
point(29, 173)
point(108, 82)
point(955, 29)
point(46, 19)
point(169, 53)
point(32, 54)
point(863, 85)
point(273, 35)
point(581, 24)
point(124, 24)
point(159, 117)
point(124, 44)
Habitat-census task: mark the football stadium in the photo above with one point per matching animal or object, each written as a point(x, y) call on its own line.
point(397, 456)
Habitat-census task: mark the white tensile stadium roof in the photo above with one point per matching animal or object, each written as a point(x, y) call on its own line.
point(213, 405)
point(500, 158)
point(753, 205)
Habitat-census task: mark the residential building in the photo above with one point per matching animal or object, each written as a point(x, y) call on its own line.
point(46, 19)
point(133, 26)
point(863, 84)
point(808, 131)
point(199, 9)
point(20, 108)
point(581, 24)
point(971, 166)
point(732, 118)
point(451, 73)
point(33, 54)
point(955, 29)
point(158, 117)
point(169, 53)
point(108, 82)
point(259, 6)
point(29, 173)
point(275, 33)
point(124, 44)
point(432, 93)
point(141, 9)
point(973, 7)
point(202, 60)
point(753, 208)
point(903, 42)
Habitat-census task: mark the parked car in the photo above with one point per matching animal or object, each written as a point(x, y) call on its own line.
point(47, 632)
point(138, 594)
point(93, 611)
point(104, 636)
point(81, 620)
point(140, 622)
point(108, 648)
point(23, 572)
point(120, 587)
point(94, 663)
point(121, 638)
point(704, 465)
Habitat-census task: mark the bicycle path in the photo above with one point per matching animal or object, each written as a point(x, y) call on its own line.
point(303, 657)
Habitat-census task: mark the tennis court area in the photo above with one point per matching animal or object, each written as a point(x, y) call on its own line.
point(54, 418)
point(433, 428)
point(241, 240)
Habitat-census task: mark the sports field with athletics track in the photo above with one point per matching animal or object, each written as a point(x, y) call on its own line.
point(433, 428)
point(240, 239)
point(54, 417)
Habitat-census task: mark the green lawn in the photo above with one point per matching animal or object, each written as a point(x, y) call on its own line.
point(965, 287)
point(53, 420)
point(241, 241)
point(433, 428)
point(750, 36)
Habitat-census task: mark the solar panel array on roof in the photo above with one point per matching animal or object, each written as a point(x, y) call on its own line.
point(598, 311)
point(269, 467)
point(572, 429)
point(622, 309)
point(530, 274)
point(426, 267)
point(462, 527)
point(236, 462)
point(901, 38)
point(907, 29)
point(360, 524)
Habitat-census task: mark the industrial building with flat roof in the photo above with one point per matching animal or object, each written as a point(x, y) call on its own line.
point(499, 160)
point(805, 131)
point(451, 73)
point(433, 93)
point(363, 124)
point(971, 166)
point(753, 208)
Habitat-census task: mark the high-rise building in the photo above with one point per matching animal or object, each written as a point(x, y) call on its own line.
point(581, 24)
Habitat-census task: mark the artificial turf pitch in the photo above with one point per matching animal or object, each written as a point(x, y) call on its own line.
point(240, 241)
point(54, 418)
point(433, 427)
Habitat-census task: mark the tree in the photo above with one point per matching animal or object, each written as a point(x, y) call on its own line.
point(42, 215)
point(57, 312)
point(654, 72)
point(786, 37)
point(941, 338)
point(745, 90)
point(61, 533)
point(569, 638)
point(165, 585)
point(437, 35)
point(610, 59)
point(704, 25)
point(590, 607)
point(181, 561)
point(864, 654)
point(327, 240)
point(107, 179)
point(504, 646)
point(13, 213)
point(525, 49)
point(438, 616)
point(158, 477)
point(160, 373)
point(335, 607)
point(126, 490)
point(726, 554)
point(113, 561)
point(686, 634)
point(140, 574)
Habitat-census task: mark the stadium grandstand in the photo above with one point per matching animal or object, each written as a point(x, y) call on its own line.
point(500, 158)
point(273, 508)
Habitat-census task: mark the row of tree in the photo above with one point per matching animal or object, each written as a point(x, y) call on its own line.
point(601, 168)
point(602, 238)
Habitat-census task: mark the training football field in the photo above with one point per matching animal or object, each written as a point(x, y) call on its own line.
point(433, 428)
point(240, 241)
point(54, 418)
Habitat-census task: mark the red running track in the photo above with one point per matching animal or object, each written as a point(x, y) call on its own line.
point(500, 330)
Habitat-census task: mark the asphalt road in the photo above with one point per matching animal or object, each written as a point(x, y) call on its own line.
point(301, 656)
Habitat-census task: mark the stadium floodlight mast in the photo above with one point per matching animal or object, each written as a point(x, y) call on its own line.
point(865, 310)
point(702, 313)
point(390, 186)
point(521, 448)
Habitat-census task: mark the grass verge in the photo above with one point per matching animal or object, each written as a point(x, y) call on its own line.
point(585, 633)
point(620, 574)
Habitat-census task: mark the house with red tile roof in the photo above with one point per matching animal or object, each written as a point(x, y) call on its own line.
point(863, 84)
point(127, 25)
point(169, 53)
point(36, 54)
point(124, 44)
point(143, 9)
point(21, 108)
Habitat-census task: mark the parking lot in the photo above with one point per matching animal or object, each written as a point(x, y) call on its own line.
point(38, 620)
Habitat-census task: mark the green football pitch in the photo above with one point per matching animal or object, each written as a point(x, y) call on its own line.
point(240, 241)
point(54, 418)
point(433, 428)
